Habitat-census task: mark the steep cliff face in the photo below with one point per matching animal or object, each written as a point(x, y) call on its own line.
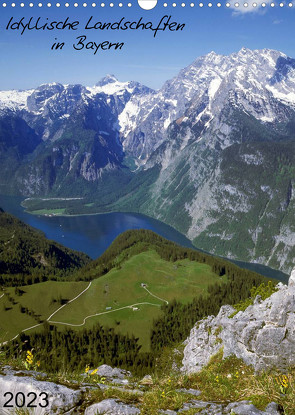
point(211, 153)
point(207, 99)
point(70, 132)
point(263, 335)
point(87, 147)
point(225, 159)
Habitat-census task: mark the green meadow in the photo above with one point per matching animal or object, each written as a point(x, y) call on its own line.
point(42, 298)
point(182, 280)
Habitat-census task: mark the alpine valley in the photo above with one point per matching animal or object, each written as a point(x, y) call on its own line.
point(211, 153)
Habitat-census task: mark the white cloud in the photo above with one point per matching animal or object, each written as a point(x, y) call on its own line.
point(277, 21)
point(261, 6)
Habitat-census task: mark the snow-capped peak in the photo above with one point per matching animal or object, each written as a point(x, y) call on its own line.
point(110, 85)
point(108, 79)
point(257, 82)
point(14, 99)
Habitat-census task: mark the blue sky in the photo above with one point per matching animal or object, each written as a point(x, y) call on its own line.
point(27, 61)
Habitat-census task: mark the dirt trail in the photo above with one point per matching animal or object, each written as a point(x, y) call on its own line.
point(91, 315)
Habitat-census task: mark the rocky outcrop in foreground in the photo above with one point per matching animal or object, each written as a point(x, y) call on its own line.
point(262, 336)
point(52, 398)
point(237, 408)
point(64, 400)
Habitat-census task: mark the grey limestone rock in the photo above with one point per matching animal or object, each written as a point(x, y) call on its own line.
point(112, 373)
point(237, 408)
point(194, 392)
point(111, 407)
point(66, 401)
point(61, 400)
point(246, 408)
point(146, 380)
point(204, 408)
point(273, 409)
point(292, 278)
point(202, 342)
point(262, 336)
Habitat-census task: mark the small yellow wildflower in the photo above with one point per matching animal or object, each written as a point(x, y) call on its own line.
point(87, 368)
point(30, 357)
point(94, 372)
point(283, 383)
point(163, 394)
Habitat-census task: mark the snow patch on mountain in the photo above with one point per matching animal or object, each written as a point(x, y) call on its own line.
point(255, 159)
point(288, 97)
point(246, 80)
point(112, 88)
point(127, 118)
point(213, 88)
point(13, 99)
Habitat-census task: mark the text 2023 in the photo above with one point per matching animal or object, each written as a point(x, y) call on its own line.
point(20, 400)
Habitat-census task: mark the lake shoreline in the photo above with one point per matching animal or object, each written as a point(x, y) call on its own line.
point(92, 233)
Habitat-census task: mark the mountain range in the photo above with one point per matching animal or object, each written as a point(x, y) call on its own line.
point(211, 153)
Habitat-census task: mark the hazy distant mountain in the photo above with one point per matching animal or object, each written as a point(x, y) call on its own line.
point(212, 152)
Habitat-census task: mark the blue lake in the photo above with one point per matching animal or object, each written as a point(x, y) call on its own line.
point(93, 234)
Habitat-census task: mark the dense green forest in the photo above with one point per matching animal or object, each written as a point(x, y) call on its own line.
point(70, 350)
point(177, 319)
point(73, 350)
point(132, 242)
point(27, 256)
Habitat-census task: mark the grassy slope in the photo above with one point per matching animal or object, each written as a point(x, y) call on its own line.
point(37, 297)
point(182, 280)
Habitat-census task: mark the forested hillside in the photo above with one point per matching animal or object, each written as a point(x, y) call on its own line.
point(72, 349)
point(132, 242)
point(27, 256)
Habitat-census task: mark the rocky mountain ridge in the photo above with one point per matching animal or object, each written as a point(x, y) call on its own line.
point(260, 82)
point(210, 153)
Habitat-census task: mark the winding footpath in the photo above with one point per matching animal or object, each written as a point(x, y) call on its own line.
point(79, 295)
point(159, 298)
point(48, 319)
point(104, 312)
point(87, 317)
